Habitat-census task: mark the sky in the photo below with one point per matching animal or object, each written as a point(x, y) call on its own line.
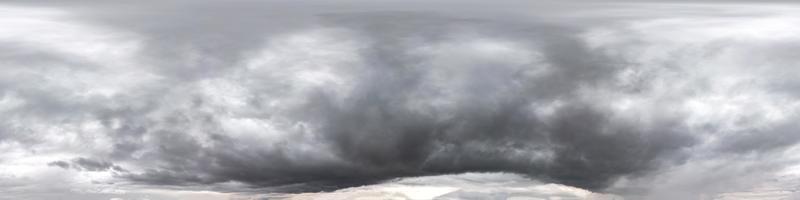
point(179, 99)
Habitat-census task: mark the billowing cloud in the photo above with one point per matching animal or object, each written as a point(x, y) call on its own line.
point(260, 97)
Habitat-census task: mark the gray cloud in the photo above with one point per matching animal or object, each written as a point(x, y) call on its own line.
point(376, 134)
point(290, 98)
point(86, 164)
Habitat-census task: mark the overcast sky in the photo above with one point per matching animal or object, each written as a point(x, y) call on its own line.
point(283, 99)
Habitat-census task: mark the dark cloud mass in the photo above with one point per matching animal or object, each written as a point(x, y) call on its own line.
point(87, 164)
point(385, 127)
point(294, 97)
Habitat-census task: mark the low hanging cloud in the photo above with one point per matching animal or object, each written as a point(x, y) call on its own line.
point(85, 164)
point(262, 97)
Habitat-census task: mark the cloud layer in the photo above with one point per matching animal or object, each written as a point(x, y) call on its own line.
point(635, 99)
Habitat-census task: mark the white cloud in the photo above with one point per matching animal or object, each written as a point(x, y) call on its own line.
point(456, 186)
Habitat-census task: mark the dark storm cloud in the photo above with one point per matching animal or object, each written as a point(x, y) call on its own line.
point(94, 165)
point(61, 164)
point(377, 136)
point(415, 93)
point(86, 164)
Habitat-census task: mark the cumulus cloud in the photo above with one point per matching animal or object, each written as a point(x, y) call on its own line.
point(260, 97)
